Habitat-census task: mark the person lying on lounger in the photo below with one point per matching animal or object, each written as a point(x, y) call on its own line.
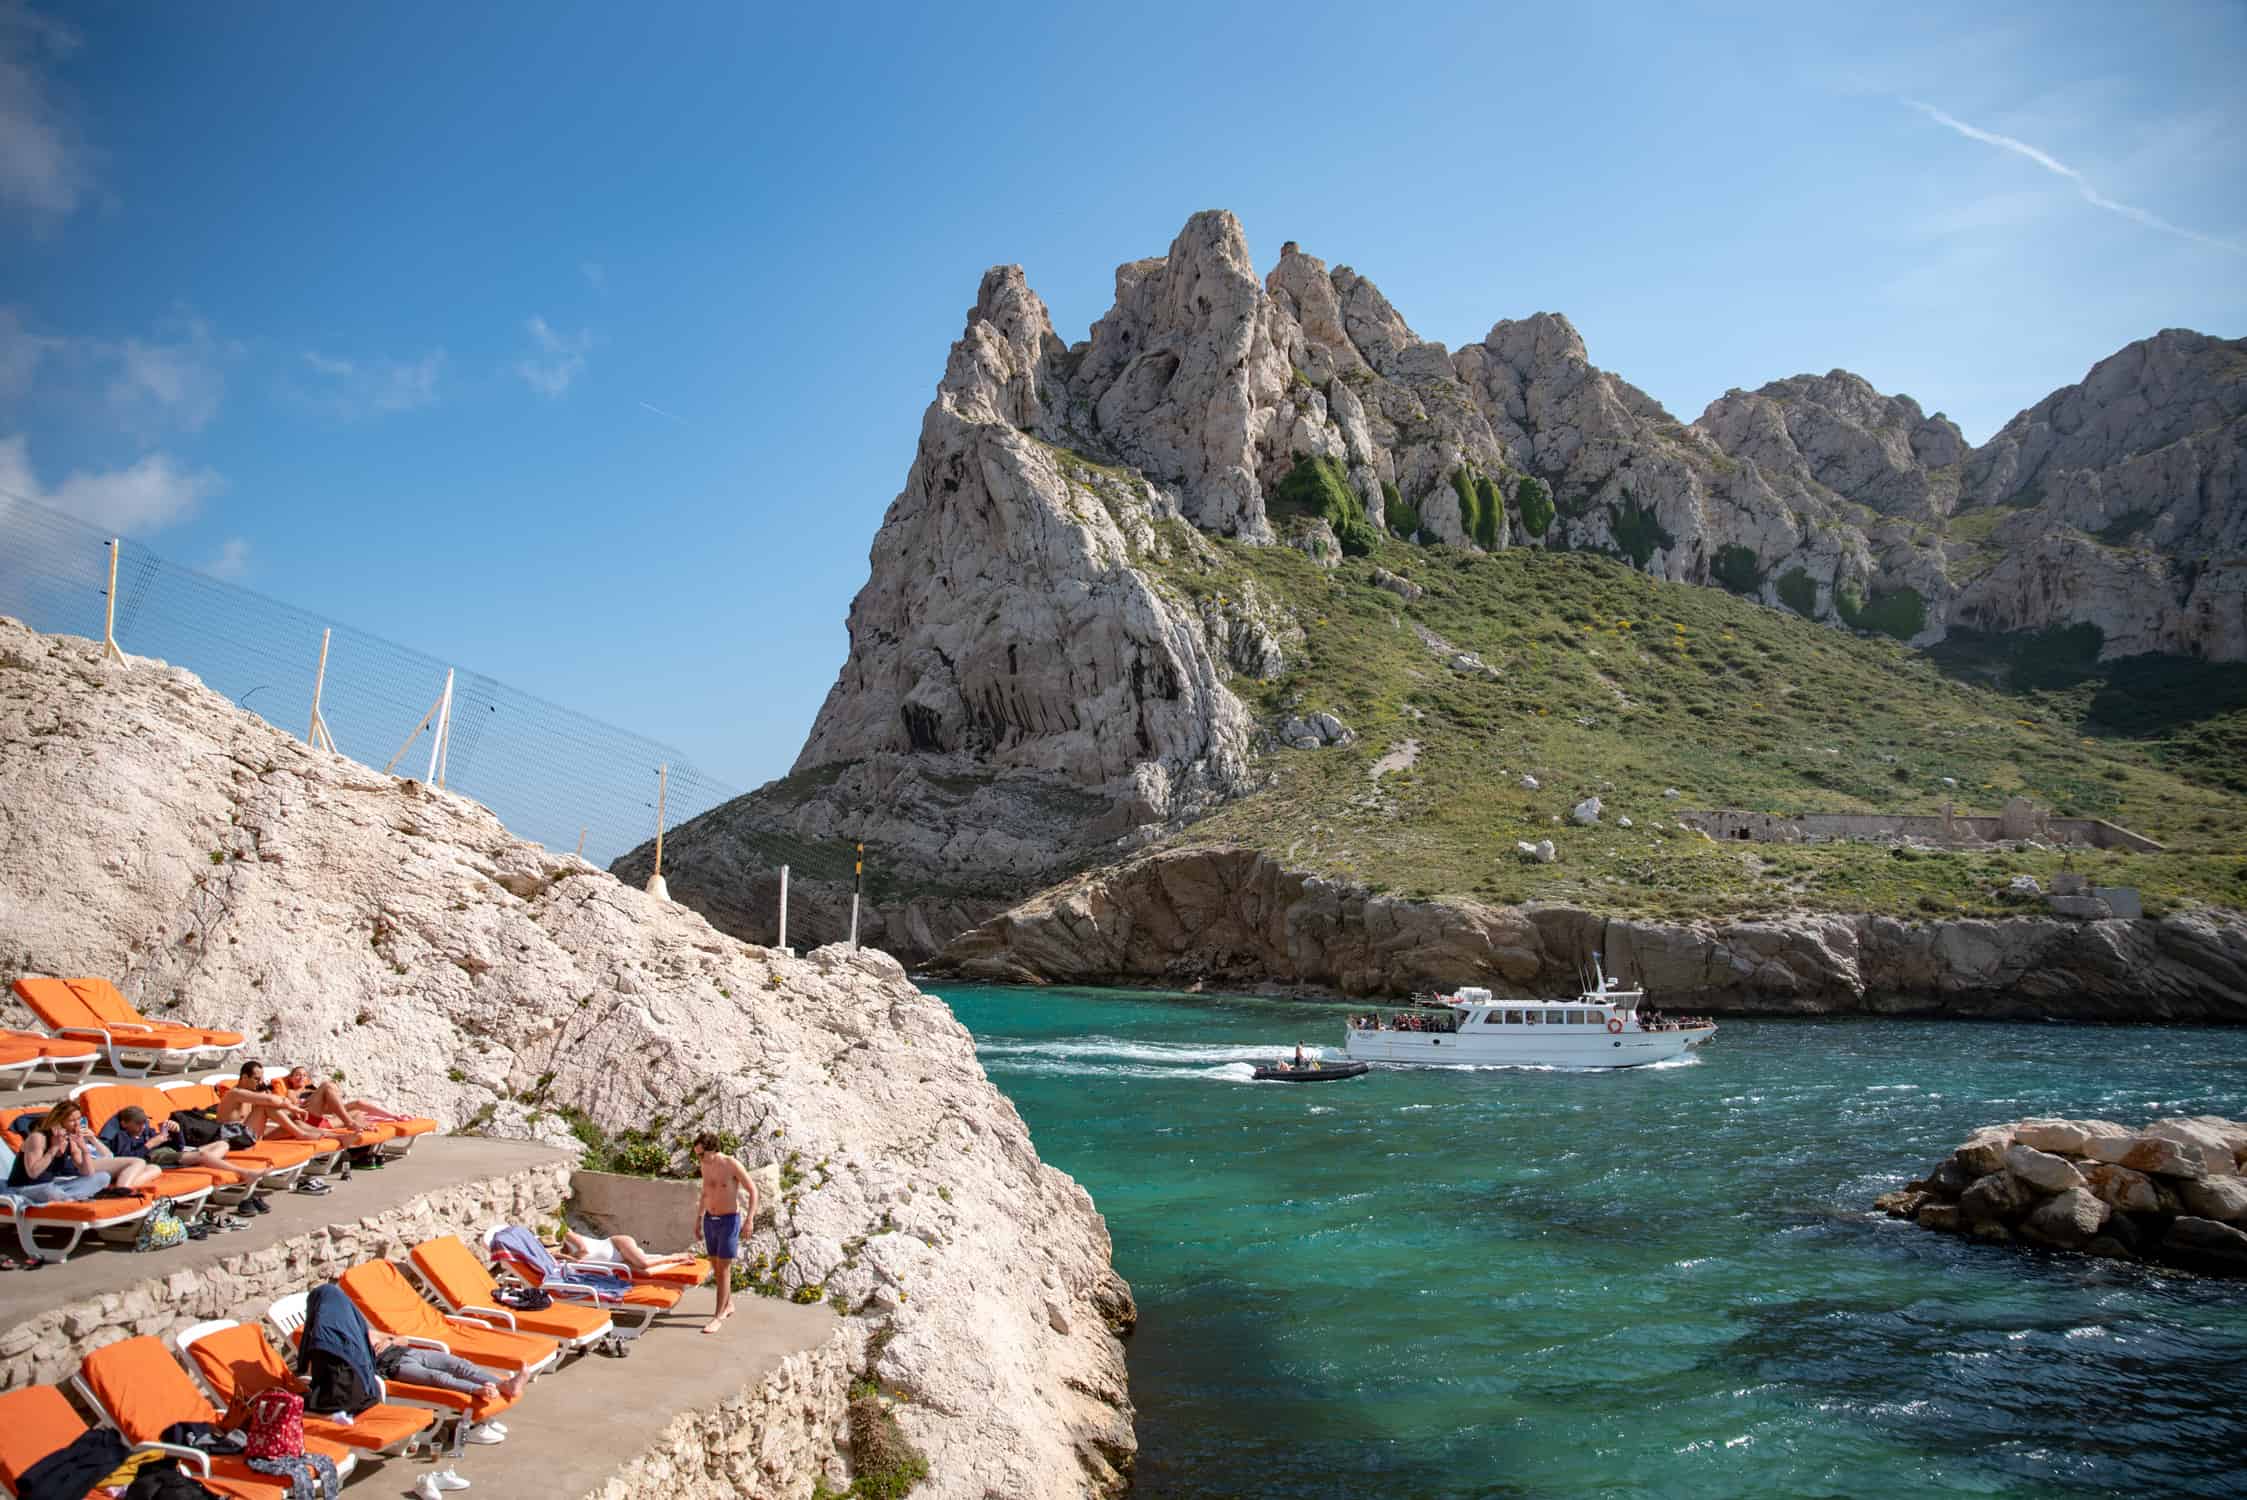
point(325, 1106)
point(398, 1358)
point(129, 1134)
point(620, 1250)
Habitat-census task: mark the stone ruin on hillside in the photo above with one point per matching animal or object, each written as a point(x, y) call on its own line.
point(2021, 822)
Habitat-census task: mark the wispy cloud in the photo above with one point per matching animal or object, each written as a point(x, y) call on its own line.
point(659, 411)
point(20, 353)
point(559, 360)
point(175, 381)
point(144, 497)
point(46, 169)
point(354, 388)
point(2054, 165)
point(596, 275)
point(233, 559)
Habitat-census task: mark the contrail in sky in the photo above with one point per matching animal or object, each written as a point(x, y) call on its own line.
point(2049, 163)
point(659, 411)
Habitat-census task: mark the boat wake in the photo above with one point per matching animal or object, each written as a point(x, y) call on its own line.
point(1118, 1049)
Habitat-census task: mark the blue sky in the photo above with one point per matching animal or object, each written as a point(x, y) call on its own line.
point(585, 346)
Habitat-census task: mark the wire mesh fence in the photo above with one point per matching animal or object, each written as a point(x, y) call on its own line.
point(551, 774)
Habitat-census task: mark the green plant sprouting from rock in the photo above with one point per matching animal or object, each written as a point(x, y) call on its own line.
point(1318, 487)
point(1735, 568)
point(1901, 613)
point(1534, 499)
point(1798, 592)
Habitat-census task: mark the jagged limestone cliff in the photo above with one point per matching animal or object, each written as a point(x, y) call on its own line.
point(1030, 693)
point(217, 869)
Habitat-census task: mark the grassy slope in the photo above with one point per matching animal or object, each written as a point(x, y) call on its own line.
point(1610, 678)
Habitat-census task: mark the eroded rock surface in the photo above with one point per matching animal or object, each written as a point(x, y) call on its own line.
point(1025, 699)
point(213, 867)
point(2184, 1205)
point(1233, 915)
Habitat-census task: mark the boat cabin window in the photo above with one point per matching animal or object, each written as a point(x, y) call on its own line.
point(1534, 1018)
point(1574, 1018)
point(1513, 1018)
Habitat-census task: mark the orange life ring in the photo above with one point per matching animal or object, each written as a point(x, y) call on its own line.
point(1615, 1024)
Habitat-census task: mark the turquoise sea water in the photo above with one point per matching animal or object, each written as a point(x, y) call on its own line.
point(1658, 1282)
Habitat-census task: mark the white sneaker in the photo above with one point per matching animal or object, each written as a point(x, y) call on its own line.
point(427, 1488)
point(497, 1426)
point(447, 1479)
point(483, 1432)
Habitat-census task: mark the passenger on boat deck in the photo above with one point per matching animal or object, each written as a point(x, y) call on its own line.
point(1300, 1060)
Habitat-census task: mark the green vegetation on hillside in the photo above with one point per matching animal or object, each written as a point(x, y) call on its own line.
point(1637, 533)
point(1318, 487)
point(1614, 683)
point(1735, 568)
point(1799, 593)
point(1403, 517)
point(1534, 499)
point(1897, 612)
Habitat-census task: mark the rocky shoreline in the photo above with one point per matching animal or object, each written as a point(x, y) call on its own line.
point(1236, 918)
point(2171, 1193)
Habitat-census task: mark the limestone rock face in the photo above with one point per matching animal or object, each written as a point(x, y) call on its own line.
point(217, 869)
point(1024, 700)
point(1227, 913)
point(2068, 1220)
point(2042, 1170)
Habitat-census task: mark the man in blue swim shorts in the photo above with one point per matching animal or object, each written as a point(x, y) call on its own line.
point(728, 1205)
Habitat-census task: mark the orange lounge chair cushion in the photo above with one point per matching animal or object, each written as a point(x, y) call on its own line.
point(111, 1008)
point(96, 1211)
point(101, 1104)
point(392, 1305)
point(240, 1363)
point(63, 1047)
point(415, 1126)
point(145, 1391)
point(11, 1054)
point(454, 1270)
point(34, 1422)
point(52, 1002)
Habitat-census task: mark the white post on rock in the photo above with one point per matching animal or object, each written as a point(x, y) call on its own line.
point(655, 886)
point(317, 735)
point(857, 883)
point(782, 943)
point(109, 615)
point(444, 726)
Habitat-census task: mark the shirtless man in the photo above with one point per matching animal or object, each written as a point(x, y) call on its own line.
point(257, 1109)
point(727, 1205)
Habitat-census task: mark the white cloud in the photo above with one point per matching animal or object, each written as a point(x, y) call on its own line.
point(2083, 188)
point(659, 411)
point(173, 383)
point(20, 353)
point(46, 169)
point(559, 361)
point(361, 388)
point(233, 559)
point(596, 275)
point(147, 496)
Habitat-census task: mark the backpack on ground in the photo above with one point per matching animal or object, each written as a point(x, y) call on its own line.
point(162, 1228)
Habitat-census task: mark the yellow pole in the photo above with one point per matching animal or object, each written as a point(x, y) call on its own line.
point(662, 785)
point(581, 841)
point(109, 617)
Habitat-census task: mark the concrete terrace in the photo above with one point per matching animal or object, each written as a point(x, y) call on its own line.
point(747, 1411)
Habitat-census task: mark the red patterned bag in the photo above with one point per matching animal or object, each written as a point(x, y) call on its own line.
point(276, 1427)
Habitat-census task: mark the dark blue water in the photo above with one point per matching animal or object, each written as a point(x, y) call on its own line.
point(1659, 1282)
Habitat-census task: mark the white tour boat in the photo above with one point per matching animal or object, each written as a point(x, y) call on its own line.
point(1603, 1027)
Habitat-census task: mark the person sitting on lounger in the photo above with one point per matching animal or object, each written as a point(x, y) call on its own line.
point(257, 1109)
point(61, 1160)
point(129, 1135)
point(620, 1250)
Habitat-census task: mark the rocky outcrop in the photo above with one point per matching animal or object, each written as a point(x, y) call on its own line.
point(215, 868)
point(1229, 915)
point(1026, 697)
point(2171, 1192)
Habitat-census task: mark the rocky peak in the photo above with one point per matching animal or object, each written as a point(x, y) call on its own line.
point(1837, 433)
point(1002, 368)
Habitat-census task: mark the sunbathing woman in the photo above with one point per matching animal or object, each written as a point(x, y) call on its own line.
point(621, 1250)
point(324, 1104)
point(62, 1156)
